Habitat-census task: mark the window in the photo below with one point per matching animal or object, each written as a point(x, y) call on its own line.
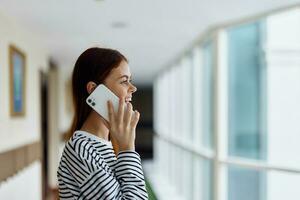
point(241, 89)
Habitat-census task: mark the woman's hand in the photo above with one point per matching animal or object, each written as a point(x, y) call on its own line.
point(123, 125)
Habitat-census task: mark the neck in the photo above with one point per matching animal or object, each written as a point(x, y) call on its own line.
point(96, 125)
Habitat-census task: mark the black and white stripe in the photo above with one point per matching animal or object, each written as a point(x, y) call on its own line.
point(89, 169)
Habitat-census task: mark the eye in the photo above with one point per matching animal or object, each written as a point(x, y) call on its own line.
point(127, 81)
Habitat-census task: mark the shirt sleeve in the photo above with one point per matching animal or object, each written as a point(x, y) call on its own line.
point(99, 181)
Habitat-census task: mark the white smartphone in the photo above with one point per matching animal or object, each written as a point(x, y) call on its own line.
point(98, 100)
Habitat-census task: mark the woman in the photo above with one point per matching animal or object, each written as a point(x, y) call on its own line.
point(99, 160)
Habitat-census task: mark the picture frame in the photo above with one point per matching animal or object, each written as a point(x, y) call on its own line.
point(17, 65)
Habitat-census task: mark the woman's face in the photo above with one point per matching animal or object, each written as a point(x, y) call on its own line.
point(119, 82)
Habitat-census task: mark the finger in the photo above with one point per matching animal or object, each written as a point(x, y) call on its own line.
point(121, 110)
point(111, 113)
point(135, 119)
point(114, 144)
point(128, 114)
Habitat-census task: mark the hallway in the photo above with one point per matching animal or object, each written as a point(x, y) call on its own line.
point(218, 92)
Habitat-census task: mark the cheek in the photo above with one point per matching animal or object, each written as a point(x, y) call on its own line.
point(121, 91)
point(117, 88)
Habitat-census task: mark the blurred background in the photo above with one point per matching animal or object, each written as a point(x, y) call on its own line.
point(218, 92)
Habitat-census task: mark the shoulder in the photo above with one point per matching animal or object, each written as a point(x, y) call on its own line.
point(80, 143)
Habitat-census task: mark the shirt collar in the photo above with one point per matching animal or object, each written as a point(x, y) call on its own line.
point(94, 137)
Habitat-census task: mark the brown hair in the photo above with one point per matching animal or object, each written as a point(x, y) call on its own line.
point(94, 64)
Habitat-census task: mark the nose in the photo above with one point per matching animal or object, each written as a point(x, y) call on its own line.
point(133, 89)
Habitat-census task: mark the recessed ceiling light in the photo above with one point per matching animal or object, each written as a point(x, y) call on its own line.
point(119, 25)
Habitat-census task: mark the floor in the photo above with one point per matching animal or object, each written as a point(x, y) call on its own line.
point(52, 194)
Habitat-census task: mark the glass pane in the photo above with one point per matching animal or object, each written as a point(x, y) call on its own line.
point(172, 101)
point(246, 92)
point(178, 101)
point(187, 85)
point(249, 184)
point(282, 185)
point(202, 179)
point(283, 88)
point(187, 175)
point(185, 97)
point(174, 168)
point(245, 184)
point(207, 96)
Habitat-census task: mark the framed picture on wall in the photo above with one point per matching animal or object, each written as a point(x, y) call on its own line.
point(17, 65)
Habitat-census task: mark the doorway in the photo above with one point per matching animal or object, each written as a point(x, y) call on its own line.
point(44, 132)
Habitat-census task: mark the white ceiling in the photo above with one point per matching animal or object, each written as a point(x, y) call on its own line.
point(156, 32)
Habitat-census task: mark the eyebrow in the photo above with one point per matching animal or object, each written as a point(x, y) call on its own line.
point(125, 76)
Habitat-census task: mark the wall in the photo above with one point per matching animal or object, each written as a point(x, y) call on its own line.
point(60, 113)
point(15, 132)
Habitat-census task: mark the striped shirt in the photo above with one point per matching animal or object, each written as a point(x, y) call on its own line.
point(89, 169)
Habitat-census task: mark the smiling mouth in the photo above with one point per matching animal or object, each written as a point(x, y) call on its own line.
point(127, 100)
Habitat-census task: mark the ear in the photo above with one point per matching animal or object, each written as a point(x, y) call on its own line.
point(90, 86)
